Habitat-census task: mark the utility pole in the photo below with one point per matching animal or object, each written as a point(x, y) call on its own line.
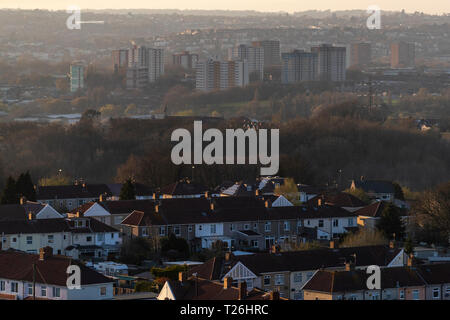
point(34, 281)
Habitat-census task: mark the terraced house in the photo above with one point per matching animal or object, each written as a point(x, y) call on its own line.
point(43, 276)
point(287, 272)
point(424, 282)
point(240, 222)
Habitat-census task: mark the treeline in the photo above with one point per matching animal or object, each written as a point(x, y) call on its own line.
point(328, 149)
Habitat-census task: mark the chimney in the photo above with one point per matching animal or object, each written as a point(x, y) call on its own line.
point(78, 214)
point(157, 208)
point(206, 194)
point(319, 202)
point(182, 277)
point(257, 192)
point(333, 244)
point(211, 205)
point(227, 256)
point(30, 216)
point(227, 282)
point(102, 198)
point(267, 204)
point(392, 244)
point(23, 200)
point(242, 290)
point(274, 295)
point(349, 266)
point(410, 262)
point(45, 253)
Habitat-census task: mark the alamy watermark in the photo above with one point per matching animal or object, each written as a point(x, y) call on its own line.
point(374, 281)
point(74, 277)
point(213, 152)
point(74, 21)
point(374, 20)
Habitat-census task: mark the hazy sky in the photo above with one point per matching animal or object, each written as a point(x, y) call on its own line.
point(428, 6)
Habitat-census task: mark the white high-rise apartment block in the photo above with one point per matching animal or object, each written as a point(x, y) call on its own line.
point(155, 64)
point(331, 62)
point(145, 65)
point(252, 54)
point(221, 75)
point(76, 76)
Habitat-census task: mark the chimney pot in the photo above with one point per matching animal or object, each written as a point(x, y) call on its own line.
point(319, 202)
point(333, 244)
point(349, 266)
point(267, 204)
point(206, 194)
point(392, 244)
point(23, 200)
point(227, 282)
point(182, 277)
point(242, 290)
point(157, 208)
point(274, 295)
point(410, 262)
point(30, 215)
point(45, 253)
point(212, 206)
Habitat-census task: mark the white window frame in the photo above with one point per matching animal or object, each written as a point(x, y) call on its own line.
point(279, 279)
point(267, 277)
point(29, 239)
point(298, 277)
point(56, 292)
point(2, 285)
point(416, 294)
point(267, 226)
point(14, 287)
point(287, 226)
point(438, 293)
point(401, 294)
point(43, 291)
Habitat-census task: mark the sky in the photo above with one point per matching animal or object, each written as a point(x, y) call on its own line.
point(428, 6)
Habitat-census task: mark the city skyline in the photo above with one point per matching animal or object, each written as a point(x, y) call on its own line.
point(431, 7)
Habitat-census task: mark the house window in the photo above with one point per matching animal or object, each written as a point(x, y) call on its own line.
point(279, 279)
point(447, 290)
point(308, 222)
point(246, 226)
point(376, 296)
point(200, 227)
point(50, 238)
point(30, 289)
point(144, 232)
point(100, 237)
point(103, 291)
point(43, 291)
point(29, 239)
point(402, 294)
point(249, 284)
point(103, 219)
point(388, 295)
point(350, 222)
point(118, 220)
point(254, 243)
point(335, 223)
point(2, 285)
point(190, 228)
point(267, 280)
point(298, 277)
point(286, 226)
point(320, 223)
point(415, 294)
point(232, 228)
point(56, 292)
point(255, 227)
point(88, 238)
point(14, 239)
point(267, 227)
point(436, 293)
point(14, 287)
point(299, 223)
point(176, 230)
point(352, 297)
point(162, 231)
point(70, 203)
point(213, 229)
